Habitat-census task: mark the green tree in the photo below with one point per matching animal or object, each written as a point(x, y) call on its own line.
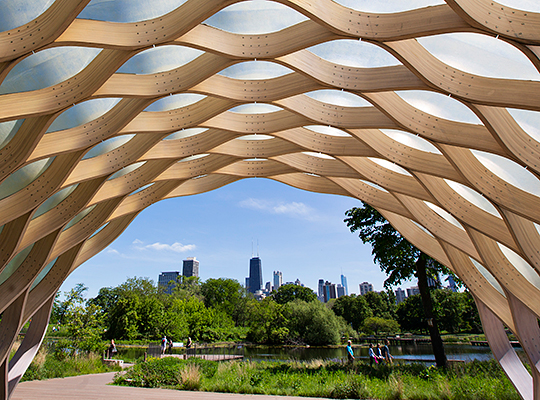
point(382, 304)
point(449, 308)
point(222, 294)
point(291, 292)
point(410, 314)
point(268, 322)
point(400, 260)
point(379, 325)
point(314, 324)
point(353, 309)
point(72, 298)
point(471, 319)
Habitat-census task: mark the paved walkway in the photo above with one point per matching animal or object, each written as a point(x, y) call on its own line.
point(94, 387)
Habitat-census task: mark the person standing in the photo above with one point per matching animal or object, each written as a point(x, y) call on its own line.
point(112, 349)
point(163, 344)
point(350, 352)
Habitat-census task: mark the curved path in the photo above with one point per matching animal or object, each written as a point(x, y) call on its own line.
point(95, 387)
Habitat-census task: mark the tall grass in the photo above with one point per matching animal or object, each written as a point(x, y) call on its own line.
point(477, 380)
point(47, 365)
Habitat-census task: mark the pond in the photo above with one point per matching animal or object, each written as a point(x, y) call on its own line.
point(409, 352)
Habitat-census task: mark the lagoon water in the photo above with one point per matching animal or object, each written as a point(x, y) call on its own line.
point(418, 352)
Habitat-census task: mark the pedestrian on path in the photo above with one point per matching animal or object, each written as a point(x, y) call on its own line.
point(350, 352)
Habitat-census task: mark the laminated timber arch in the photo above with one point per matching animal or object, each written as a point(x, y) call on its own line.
point(465, 193)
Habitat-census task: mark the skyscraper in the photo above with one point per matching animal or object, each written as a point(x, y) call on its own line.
point(255, 274)
point(278, 279)
point(190, 267)
point(344, 284)
point(321, 287)
point(167, 281)
point(400, 295)
point(365, 287)
point(329, 291)
point(340, 290)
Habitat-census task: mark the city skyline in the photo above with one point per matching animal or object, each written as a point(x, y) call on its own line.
point(299, 233)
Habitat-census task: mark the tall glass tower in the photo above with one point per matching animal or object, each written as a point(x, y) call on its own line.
point(344, 284)
point(255, 274)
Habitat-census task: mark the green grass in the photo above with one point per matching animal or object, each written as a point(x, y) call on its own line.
point(476, 380)
point(47, 365)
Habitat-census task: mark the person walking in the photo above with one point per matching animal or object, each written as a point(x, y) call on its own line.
point(350, 352)
point(372, 356)
point(386, 353)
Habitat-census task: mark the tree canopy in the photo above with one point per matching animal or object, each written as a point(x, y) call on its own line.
point(291, 292)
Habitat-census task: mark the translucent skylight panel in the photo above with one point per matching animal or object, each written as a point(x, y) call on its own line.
point(439, 105)
point(339, 98)
point(444, 214)
point(521, 265)
point(159, 59)
point(184, 133)
point(126, 170)
point(107, 145)
point(15, 13)
point(54, 200)
point(327, 130)
point(390, 165)
point(255, 17)
point(354, 53)
point(23, 177)
point(318, 155)
point(82, 113)
point(175, 101)
point(525, 5)
point(43, 273)
point(256, 137)
point(141, 189)
point(387, 6)
point(480, 55)
point(473, 197)
point(374, 185)
point(47, 68)
point(422, 228)
point(8, 129)
point(255, 70)
point(15, 263)
point(79, 217)
point(408, 139)
point(486, 274)
point(128, 10)
point(509, 171)
point(256, 108)
point(528, 120)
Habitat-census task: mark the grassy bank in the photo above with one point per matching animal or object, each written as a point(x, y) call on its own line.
point(48, 364)
point(476, 380)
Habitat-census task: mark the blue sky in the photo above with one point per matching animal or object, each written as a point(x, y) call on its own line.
point(299, 233)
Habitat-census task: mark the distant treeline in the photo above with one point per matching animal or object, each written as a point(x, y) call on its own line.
point(221, 310)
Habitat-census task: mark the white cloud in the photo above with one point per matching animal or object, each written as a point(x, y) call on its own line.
point(113, 251)
point(176, 246)
point(293, 209)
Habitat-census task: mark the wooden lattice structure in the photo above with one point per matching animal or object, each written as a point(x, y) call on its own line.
point(85, 148)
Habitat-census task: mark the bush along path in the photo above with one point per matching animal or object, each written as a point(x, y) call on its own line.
point(474, 381)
